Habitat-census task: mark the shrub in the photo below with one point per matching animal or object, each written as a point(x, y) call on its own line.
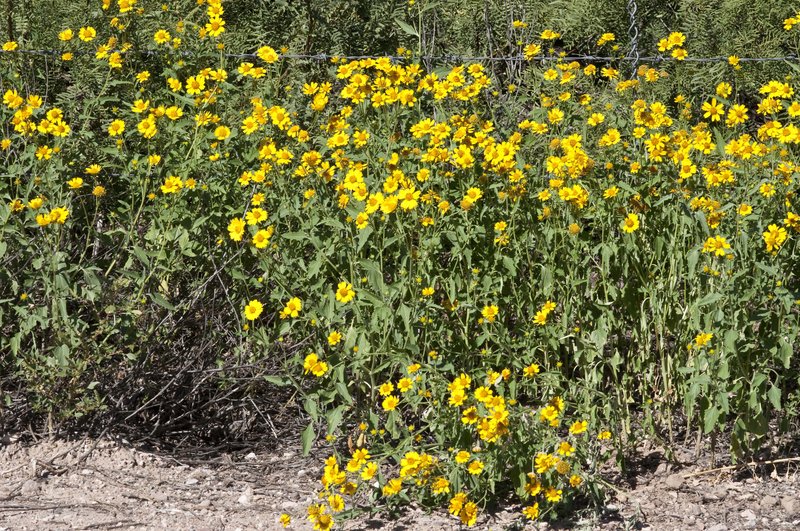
point(470, 282)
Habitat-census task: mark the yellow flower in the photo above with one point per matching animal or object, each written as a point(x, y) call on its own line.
point(334, 338)
point(475, 467)
point(222, 132)
point(566, 449)
point(236, 229)
point(215, 27)
point(552, 494)
point(312, 364)
point(75, 183)
point(440, 486)
point(285, 520)
point(345, 292)
point(267, 54)
point(490, 312)
point(713, 110)
point(531, 512)
point(162, 37)
point(717, 245)
point(116, 128)
point(87, 33)
point(390, 403)
point(10, 46)
point(98, 191)
point(115, 60)
point(774, 238)
point(531, 370)
point(172, 185)
point(292, 308)
point(253, 310)
point(702, 339)
point(262, 237)
point(578, 427)
point(631, 223)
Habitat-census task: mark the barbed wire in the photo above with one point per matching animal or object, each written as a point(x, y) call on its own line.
point(634, 58)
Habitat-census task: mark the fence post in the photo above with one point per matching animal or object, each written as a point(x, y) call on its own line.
point(633, 32)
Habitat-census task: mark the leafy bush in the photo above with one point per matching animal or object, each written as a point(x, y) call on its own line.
point(471, 278)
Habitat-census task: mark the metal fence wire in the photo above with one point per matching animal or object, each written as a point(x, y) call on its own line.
point(632, 57)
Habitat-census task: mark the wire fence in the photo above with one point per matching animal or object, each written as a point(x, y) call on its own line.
point(633, 58)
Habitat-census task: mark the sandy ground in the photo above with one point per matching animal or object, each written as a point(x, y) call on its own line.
point(61, 485)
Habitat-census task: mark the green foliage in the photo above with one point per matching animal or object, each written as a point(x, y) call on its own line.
point(510, 261)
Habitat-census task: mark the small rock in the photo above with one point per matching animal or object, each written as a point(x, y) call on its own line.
point(747, 514)
point(29, 488)
point(715, 495)
point(289, 506)
point(250, 457)
point(674, 481)
point(790, 505)
point(663, 468)
point(692, 509)
point(204, 503)
point(87, 472)
point(192, 481)
point(768, 501)
point(200, 473)
point(718, 527)
point(246, 497)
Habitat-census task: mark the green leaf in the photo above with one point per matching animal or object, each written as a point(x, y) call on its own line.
point(334, 419)
point(774, 395)
point(710, 418)
point(141, 254)
point(691, 262)
point(310, 405)
point(786, 354)
point(308, 438)
point(711, 298)
point(510, 266)
point(280, 381)
point(295, 236)
point(343, 392)
point(161, 301)
point(408, 29)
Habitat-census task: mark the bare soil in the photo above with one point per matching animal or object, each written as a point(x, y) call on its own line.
point(107, 484)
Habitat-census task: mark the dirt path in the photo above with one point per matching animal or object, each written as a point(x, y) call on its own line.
point(121, 488)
